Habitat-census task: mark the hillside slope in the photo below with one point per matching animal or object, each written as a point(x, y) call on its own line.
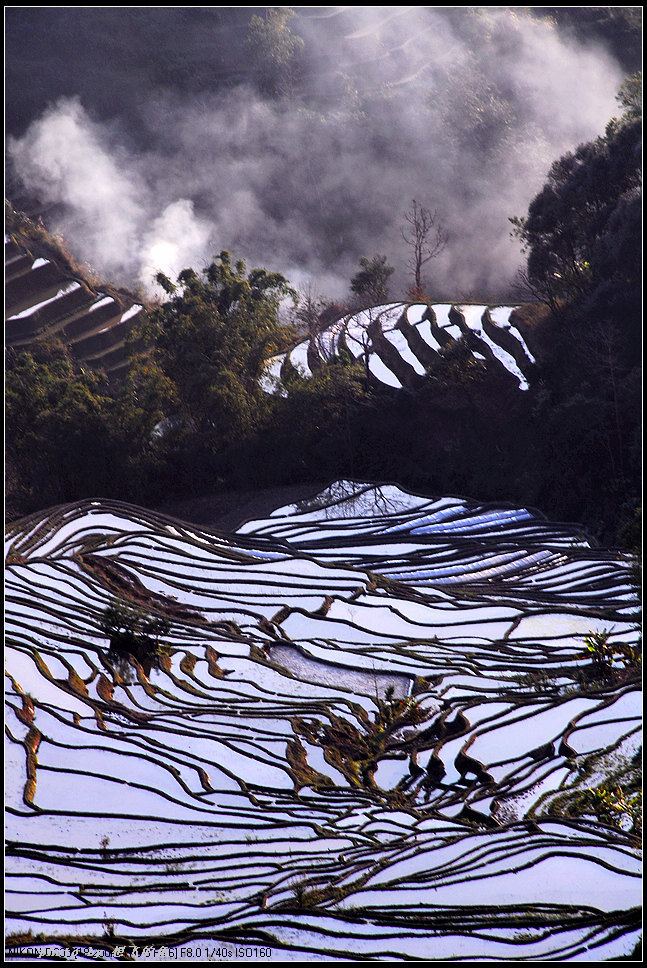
point(46, 296)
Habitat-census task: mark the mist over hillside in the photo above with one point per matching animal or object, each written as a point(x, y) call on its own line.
point(152, 138)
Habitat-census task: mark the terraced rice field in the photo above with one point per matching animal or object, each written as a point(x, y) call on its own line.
point(43, 299)
point(356, 744)
point(402, 343)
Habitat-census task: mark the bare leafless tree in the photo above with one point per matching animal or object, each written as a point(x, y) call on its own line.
point(527, 290)
point(425, 234)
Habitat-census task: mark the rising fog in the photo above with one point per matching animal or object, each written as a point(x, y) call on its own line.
point(463, 113)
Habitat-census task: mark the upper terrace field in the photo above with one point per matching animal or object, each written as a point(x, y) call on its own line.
point(401, 344)
point(45, 297)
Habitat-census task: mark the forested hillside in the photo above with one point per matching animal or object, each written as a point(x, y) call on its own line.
point(296, 139)
point(300, 136)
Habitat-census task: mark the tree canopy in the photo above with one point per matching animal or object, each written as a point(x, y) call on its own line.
point(583, 239)
point(582, 231)
point(210, 341)
point(61, 427)
point(370, 283)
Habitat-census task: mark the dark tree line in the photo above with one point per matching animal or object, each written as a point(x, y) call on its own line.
point(583, 239)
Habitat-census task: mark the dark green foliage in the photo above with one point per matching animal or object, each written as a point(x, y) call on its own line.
point(59, 423)
point(210, 341)
point(583, 239)
point(582, 231)
point(370, 284)
point(459, 367)
point(317, 429)
point(69, 435)
point(133, 632)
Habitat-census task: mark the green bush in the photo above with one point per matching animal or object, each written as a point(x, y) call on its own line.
point(616, 807)
point(605, 654)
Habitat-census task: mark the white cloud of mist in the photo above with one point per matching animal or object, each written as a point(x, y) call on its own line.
point(177, 239)
point(402, 105)
point(66, 159)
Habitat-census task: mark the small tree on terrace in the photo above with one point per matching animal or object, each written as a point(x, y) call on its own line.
point(426, 237)
point(309, 308)
point(370, 284)
point(310, 314)
point(132, 631)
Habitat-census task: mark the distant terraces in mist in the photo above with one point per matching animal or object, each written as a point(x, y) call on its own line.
point(46, 297)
